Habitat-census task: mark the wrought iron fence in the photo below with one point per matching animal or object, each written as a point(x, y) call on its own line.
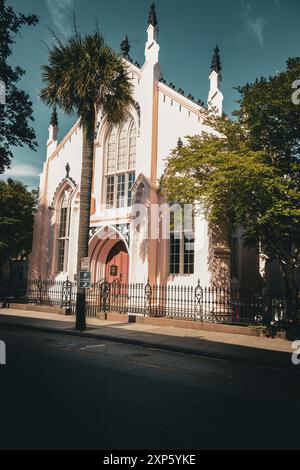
point(192, 302)
point(182, 302)
point(52, 293)
point(13, 291)
point(42, 292)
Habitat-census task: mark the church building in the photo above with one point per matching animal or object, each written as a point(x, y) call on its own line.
point(129, 161)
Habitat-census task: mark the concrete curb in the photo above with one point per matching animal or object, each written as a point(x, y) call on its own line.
point(213, 355)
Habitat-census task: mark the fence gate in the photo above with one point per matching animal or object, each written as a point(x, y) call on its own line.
point(105, 296)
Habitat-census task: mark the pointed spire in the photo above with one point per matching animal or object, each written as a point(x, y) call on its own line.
point(125, 48)
point(54, 118)
point(152, 46)
point(53, 131)
point(216, 64)
point(152, 19)
point(215, 96)
point(179, 143)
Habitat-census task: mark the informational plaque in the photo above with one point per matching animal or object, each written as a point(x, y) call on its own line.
point(85, 264)
point(113, 270)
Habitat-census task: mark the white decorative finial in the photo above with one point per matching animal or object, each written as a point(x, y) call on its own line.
point(152, 47)
point(215, 97)
point(53, 132)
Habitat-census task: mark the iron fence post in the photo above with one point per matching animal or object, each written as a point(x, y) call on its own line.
point(198, 301)
point(66, 295)
point(104, 296)
point(148, 295)
point(40, 288)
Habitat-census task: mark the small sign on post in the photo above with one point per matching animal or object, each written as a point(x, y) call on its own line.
point(85, 264)
point(85, 280)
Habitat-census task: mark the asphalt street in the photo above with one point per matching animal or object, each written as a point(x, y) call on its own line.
point(62, 392)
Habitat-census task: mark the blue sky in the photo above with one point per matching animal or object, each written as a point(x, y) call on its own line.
point(255, 38)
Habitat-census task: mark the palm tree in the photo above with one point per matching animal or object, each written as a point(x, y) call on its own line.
point(83, 76)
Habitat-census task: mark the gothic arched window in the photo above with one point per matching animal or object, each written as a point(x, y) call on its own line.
point(63, 231)
point(122, 148)
point(132, 146)
point(111, 150)
point(120, 165)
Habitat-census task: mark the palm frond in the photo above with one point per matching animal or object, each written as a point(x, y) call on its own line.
point(84, 74)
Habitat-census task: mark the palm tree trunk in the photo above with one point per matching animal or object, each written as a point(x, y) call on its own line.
point(88, 128)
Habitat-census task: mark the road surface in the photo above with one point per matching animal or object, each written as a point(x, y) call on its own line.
point(63, 392)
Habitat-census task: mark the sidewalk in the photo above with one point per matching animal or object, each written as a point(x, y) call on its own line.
point(253, 350)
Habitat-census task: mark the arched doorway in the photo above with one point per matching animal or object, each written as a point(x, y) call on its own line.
point(117, 263)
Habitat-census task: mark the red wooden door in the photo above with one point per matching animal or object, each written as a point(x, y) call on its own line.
point(117, 263)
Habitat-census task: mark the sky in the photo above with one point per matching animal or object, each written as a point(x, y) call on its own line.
point(255, 38)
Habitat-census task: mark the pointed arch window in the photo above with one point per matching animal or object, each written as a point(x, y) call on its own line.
point(122, 148)
point(63, 231)
point(111, 150)
point(120, 166)
point(132, 146)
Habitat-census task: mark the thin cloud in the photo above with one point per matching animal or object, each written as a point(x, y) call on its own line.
point(257, 27)
point(254, 25)
point(60, 12)
point(21, 171)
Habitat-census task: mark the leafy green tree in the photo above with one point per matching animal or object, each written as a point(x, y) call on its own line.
point(241, 186)
point(18, 206)
point(271, 118)
point(248, 174)
point(83, 76)
point(16, 115)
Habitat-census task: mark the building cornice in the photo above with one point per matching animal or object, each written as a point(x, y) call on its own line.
point(181, 100)
point(133, 67)
point(65, 139)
